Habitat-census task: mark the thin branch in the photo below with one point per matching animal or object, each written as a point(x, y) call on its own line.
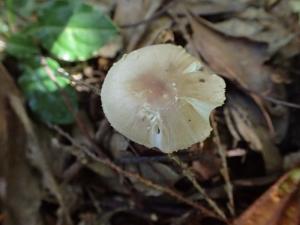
point(276, 101)
point(224, 172)
point(87, 155)
point(65, 74)
point(160, 158)
point(189, 174)
point(268, 98)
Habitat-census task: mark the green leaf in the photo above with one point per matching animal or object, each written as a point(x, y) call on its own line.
point(21, 46)
point(74, 31)
point(46, 97)
point(22, 7)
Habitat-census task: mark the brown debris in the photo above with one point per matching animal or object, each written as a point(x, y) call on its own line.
point(87, 173)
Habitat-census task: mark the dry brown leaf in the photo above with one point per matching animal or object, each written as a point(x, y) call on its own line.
point(156, 172)
point(111, 49)
point(209, 164)
point(258, 25)
point(212, 7)
point(249, 123)
point(278, 206)
point(158, 32)
point(22, 194)
point(27, 152)
point(131, 12)
point(237, 59)
point(242, 61)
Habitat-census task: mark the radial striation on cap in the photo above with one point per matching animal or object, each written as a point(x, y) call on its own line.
point(161, 96)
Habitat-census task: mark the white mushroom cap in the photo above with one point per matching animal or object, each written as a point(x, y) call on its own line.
point(160, 96)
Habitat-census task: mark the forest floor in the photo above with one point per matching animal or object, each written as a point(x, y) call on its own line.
point(62, 163)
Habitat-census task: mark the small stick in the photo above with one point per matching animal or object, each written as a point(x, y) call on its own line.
point(184, 156)
point(224, 172)
point(189, 175)
point(88, 155)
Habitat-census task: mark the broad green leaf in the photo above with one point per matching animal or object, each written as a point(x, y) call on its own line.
point(74, 31)
point(21, 7)
point(45, 97)
point(16, 10)
point(21, 46)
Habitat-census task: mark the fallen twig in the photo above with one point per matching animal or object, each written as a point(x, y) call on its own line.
point(189, 174)
point(224, 172)
point(86, 155)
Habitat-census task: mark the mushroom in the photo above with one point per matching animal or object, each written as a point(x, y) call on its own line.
point(161, 96)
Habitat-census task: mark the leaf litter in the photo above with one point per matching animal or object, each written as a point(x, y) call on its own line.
point(86, 173)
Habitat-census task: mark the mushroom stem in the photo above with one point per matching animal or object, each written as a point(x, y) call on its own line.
point(190, 176)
